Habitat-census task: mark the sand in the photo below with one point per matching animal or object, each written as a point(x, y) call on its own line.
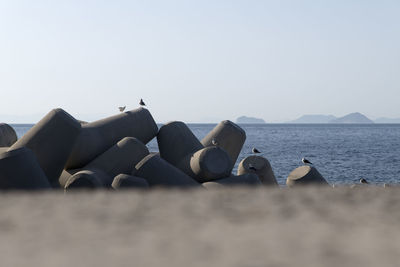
point(232, 227)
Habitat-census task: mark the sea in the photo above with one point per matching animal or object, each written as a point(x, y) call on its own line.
point(342, 153)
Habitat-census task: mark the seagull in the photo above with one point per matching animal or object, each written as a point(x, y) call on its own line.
point(255, 150)
point(306, 161)
point(122, 108)
point(363, 181)
point(142, 103)
point(251, 167)
point(214, 142)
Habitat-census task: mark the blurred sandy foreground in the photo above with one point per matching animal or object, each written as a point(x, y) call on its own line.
point(232, 227)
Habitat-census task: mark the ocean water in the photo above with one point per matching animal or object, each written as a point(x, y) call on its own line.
point(342, 153)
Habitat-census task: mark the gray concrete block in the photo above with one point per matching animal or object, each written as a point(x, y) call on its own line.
point(305, 175)
point(7, 135)
point(180, 147)
point(51, 140)
point(229, 136)
point(158, 172)
point(248, 179)
point(121, 157)
point(98, 136)
point(19, 169)
point(124, 181)
point(88, 179)
point(206, 164)
point(176, 141)
point(260, 166)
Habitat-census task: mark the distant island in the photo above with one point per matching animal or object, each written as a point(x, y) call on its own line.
point(244, 119)
point(352, 118)
point(355, 117)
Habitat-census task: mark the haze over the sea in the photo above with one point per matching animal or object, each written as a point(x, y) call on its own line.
point(200, 61)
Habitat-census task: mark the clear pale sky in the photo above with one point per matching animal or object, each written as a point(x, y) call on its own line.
point(200, 61)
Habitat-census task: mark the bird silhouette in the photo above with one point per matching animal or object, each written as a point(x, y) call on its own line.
point(255, 150)
point(121, 109)
point(363, 181)
point(306, 161)
point(142, 102)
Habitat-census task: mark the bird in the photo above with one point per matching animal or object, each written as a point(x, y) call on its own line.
point(306, 161)
point(251, 167)
point(142, 103)
point(255, 150)
point(214, 142)
point(121, 109)
point(363, 181)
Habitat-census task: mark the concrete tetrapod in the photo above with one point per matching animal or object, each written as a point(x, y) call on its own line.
point(51, 140)
point(207, 164)
point(120, 158)
point(98, 136)
point(260, 166)
point(176, 141)
point(305, 175)
point(124, 181)
point(158, 172)
point(7, 135)
point(19, 169)
point(88, 179)
point(180, 147)
point(247, 179)
point(229, 136)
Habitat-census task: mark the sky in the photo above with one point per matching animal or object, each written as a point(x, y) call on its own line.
point(199, 61)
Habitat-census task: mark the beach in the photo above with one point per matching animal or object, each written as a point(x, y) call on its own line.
point(309, 226)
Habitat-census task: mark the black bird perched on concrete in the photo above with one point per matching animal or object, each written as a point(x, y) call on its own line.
point(306, 161)
point(363, 181)
point(142, 103)
point(121, 109)
point(255, 150)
